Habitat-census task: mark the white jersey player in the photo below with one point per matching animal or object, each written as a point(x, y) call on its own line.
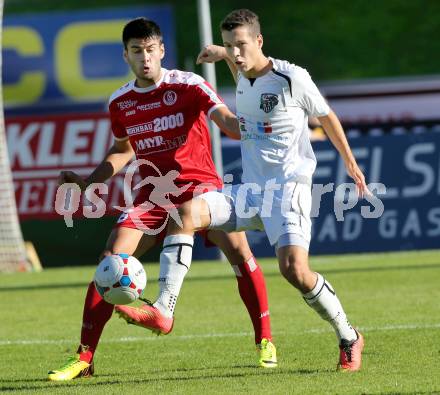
point(274, 100)
point(273, 111)
point(277, 156)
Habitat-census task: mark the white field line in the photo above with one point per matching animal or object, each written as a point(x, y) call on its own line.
point(128, 339)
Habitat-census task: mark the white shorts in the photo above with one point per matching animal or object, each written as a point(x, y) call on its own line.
point(284, 212)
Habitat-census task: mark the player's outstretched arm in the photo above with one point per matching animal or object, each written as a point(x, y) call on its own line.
point(227, 122)
point(214, 53)
point(335, 132)
point(116, 158)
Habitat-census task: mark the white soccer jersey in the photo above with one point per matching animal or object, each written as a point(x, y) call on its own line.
point(273, 114)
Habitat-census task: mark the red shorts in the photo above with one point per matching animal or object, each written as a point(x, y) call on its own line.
point(152, 219)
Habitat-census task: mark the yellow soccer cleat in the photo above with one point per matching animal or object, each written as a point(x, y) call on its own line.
point(268, 354)
point(73, 368)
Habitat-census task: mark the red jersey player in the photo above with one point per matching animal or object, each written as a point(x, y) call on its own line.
point(160, 118)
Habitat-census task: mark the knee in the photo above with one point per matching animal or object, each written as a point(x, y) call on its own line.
point(191, 216)
point(184, 218)
point(295, 270)
point(105, 253)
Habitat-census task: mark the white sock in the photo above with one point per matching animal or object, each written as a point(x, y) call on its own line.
point(175, 261)
point(322, 298)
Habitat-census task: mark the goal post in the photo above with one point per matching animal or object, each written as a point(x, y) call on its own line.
point(13, 251)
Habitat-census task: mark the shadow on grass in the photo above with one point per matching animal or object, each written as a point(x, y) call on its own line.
point(255, 371)
point(249, 368)
point(435, 392)
point(8, 381)
point(39, 287)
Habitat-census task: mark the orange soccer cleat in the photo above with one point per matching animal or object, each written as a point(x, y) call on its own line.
point(350, 354)
point(146, 316)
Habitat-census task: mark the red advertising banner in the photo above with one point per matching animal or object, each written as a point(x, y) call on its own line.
point(40, 147)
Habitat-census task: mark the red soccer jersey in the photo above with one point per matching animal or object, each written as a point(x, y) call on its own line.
point(166, 125)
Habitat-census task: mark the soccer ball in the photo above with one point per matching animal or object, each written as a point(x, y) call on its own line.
point(120, 279)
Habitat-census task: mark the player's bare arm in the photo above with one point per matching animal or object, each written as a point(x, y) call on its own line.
point(215, 53)
point(335, 132)
point(117, 157)
point(227, 122)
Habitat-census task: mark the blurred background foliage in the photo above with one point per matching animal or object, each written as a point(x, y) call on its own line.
point(333, 39)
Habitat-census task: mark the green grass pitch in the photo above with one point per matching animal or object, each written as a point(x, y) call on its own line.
point(392, 298)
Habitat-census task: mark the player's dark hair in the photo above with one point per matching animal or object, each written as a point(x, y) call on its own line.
point(242, 17)
point(140, 28)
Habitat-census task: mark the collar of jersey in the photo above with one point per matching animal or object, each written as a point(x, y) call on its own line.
point(151, 87)
point(274, 67)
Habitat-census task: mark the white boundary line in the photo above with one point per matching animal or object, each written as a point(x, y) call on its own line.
point(212, 335)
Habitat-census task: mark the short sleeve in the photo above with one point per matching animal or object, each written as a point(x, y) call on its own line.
point(208, 98)
point(118, 130)
point(307, 93)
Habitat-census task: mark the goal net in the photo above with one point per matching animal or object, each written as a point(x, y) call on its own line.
point(12, 247)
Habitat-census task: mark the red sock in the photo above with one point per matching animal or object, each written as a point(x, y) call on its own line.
point(96, 314)
point(252, 289)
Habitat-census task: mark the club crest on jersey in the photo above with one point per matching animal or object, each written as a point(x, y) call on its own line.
point(268, 101)
point(169, 98)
